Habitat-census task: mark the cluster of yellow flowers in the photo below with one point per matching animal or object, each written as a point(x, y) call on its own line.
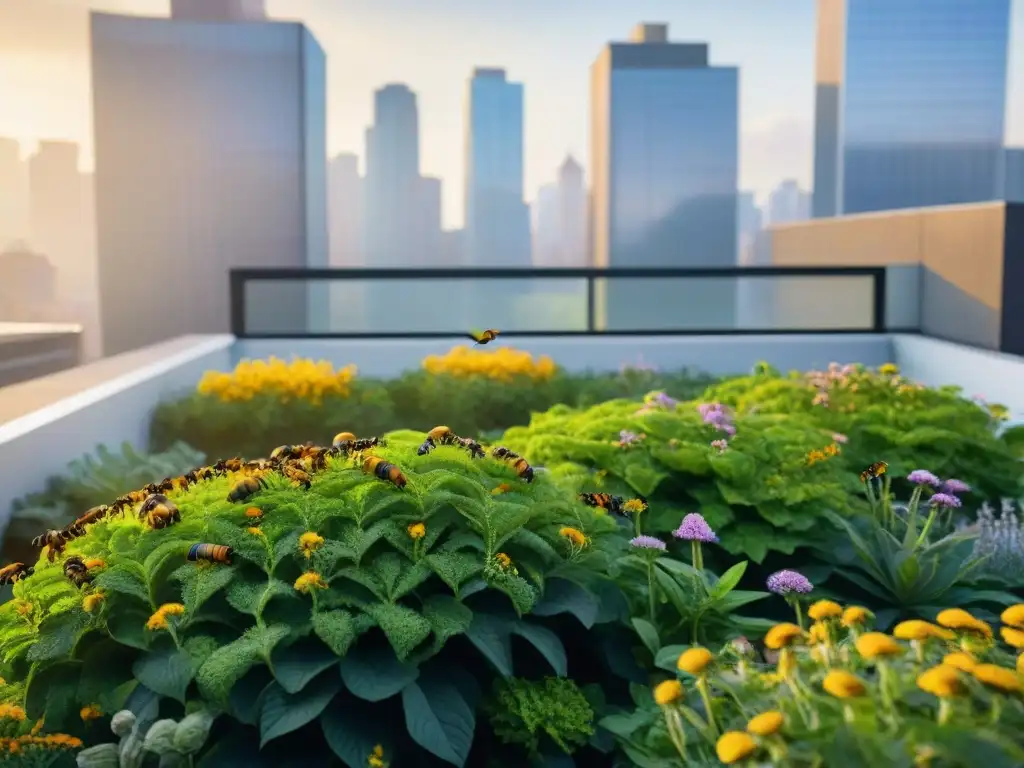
point(503, 364)
point(301, 379)
point(33, 740)
point(948, 658)
point(158, 620)
point(826, 453)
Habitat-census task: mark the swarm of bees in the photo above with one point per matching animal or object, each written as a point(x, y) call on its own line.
point(444, 436)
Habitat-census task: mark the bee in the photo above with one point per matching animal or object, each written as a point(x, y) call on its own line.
point(476, 450)
point(257, 465)
point(437, 436)
point(286, 452)
point(211, 553)
point(224, 466)
point(874, 471)
point(519, 464)
point(376, 466)
point(55, 541)
point(605, 501)
point(159, 512)
point(164, 486)
point(76, 571)
point(296, 475)
point(94, 515)
point(15, 572)
point(246, 487)
point(130, 499)
point(343, 437)
point(484, 337)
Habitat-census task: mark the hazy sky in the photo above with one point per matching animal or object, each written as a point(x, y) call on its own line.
point(433, 46)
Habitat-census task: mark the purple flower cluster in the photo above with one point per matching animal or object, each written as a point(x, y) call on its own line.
point(628, 438)
point(662, 400)
point(721, 445)
point(786, 582)
point(924, 477)
point(944, 501)
point(647, 542)
point(954, 486)
point(718, 417)
point(695, 528)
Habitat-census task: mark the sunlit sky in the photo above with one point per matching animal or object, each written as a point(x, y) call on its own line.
point(433, 46)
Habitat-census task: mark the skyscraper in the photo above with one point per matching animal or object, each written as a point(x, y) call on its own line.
point(788, 203)
point(547, 226)
point(572, 209)
point(910, 103)
point(429, 225)
point(664, 165)
point(345, 211)
point(218, 10)
point(748, 223)
point(497, 218)
point(210, 143)
point(13, 193)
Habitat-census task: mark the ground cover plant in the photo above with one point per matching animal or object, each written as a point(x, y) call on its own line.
point(474, 391)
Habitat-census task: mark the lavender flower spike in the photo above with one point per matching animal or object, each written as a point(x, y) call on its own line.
point(786, 582)
point(944, 501)
point(647, 542)
point(695, 528)
point(954, 486)
point(924, 477)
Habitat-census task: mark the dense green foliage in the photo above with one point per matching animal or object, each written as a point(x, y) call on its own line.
point(419, 400)
point(522, 712)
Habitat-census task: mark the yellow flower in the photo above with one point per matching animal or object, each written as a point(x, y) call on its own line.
point(94, 562)
point(766, 723)
point(825, 609)
point(503, 364)
point(505, 562)
point(417, 531)
point(942, 681)
point(634, 506)
point(11, 712)
point(786, 665)
point(309, 581)
point(573, 535)
point(668, 692)
point(888, 369)
point(1013, 636)
point(90, 712)
point(376, 758)
point(958, 618)
point(92, 601)
point(309, 543)
point(1020, 664)
point(875, 644)
point(843, 684)
point(960, 660)
point(695, 660)
point(254, 513)
point(733, 746)
point(1000, 678)
point(156, 622)
point(783, 635)
point(255, 531)
point(819, 632)
point(915, 629)
point(24, 607)
point(172, 609)
point(1014, 616)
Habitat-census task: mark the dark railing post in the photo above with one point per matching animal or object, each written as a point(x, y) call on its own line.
point(879, 300)
point(591, 311)
point(236, 287)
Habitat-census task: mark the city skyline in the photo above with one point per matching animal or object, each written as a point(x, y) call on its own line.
point(547, 48)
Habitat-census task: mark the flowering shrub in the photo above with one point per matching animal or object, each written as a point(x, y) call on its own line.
point(317, 620)
point(501, 364)
point(300, 379)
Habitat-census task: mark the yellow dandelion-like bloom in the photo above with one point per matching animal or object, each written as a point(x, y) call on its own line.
point(376, 758)
point(959, 619)
point(172, 609)
point(1000, 678)
point(11, 712)
point(733, 746)
point(960, 660)
point(942, 681)
point(1014, 616)
point(309, 581)
point(888, 369)
point(92, 601)
point(783, 635)
point(94, 562)
point(157, 622)
point(574, 536)
point(843, 684)
point(915, 629)
point(874, 645)
point(309, 543)
point(1012, 636)
point(90, 712)
point(766, 723)
point(818, 632)
point(668, 692)
point(633, 506)
point(416, 531)
point(855, 616)
point(695, 660)
point(825, 609)
point(255, 531)
point(503, 560)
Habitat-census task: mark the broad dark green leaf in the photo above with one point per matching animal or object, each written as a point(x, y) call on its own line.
point(491, 636)
point(375, 673)
point(352, 732)
point(167, 672)
point(545, 641)
point(439, 719)
point(648, 635)
point(563, 596)
point(282, 712)
point(298, 663)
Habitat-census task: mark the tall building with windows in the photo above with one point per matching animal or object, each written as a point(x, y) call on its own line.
point(210, 145)
point(910, 103)
point(664, 164)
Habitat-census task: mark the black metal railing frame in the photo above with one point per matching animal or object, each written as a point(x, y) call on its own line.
point(239, 278)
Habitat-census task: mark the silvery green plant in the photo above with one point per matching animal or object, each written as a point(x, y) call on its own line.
point(1000, 542)
point(174, 743)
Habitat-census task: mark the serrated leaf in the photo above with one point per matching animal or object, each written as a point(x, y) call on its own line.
point(124, 581)
point(282, 713)
point(336, 629)
point(295, 665)
point(200, 584)
point(167, 672)
point(58, 635)
point(447, 617)
point(439, 719)
point(228, 664)
point(454, 568)
point(374, 674)
point(404, 628)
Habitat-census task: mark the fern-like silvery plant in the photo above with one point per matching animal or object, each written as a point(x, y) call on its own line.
point(1000, 542)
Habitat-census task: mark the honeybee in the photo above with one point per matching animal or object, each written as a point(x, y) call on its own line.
point(93, 515)
point(15, 572)
point(317, 459)
point(76, 571)
point(246, 487)
point(54, 541)
point(476, 450)
point(130, 499)
point(347, 448)
point(874, 471)
point(224, 466)
point(343, 437)
point(484, 337)
point(164, 486)
point(297, 475)
point(519, 464)
point(212, 553)
point(286, 452)
point(374, 465)
point(603, 501)
point(159, 512)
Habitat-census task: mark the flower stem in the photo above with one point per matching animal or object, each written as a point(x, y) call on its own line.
point(698, 557)
point(997, 709)
point(676, 732)
point(702, 688)
point(636, 523)
point(650, 590)
point(945, 710)
point(927, 527)
point(795, 603)
point(912, 507)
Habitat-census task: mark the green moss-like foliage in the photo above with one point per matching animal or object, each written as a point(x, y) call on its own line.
point(404, 630)
point(887, 417)
point(760, 494)
point(522, 712)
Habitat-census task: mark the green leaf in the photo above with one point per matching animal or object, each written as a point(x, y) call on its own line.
point(200, 584)
point(374, 673)
point(404, 628)
point(167, 672)
point(563, 596)
point(295, 665)
point(737, 599)
point(648, 634)
point(336, 629)
point(283, 712)
point(124, 581)
point(227, 665)
point(58, 635)
point(545, 641)
point(351, 732)
point(491, 636)
point(128, 627)
point(728, 581)
point(668, 656)
point(52, 693)
point(439, 719)
point(447, 617)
